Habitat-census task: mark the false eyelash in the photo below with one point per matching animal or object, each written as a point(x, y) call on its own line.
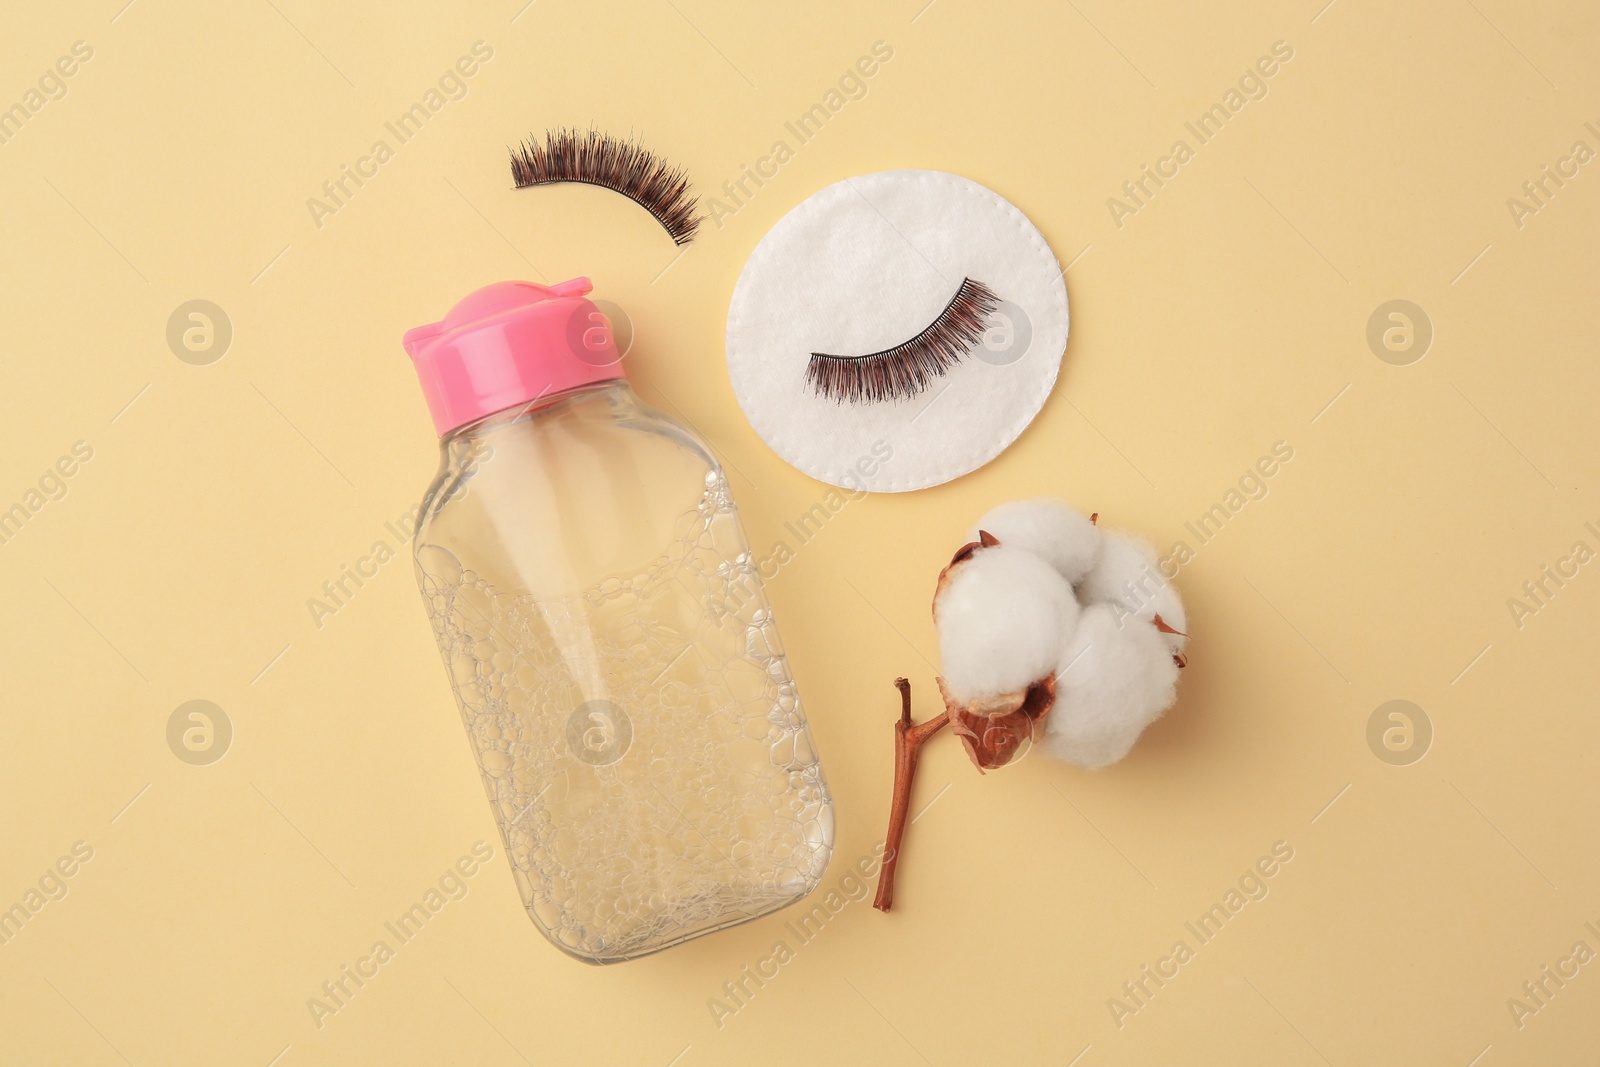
point(907, 369)
point(596, 158)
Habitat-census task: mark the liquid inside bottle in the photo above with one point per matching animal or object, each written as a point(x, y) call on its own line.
point(619, 675)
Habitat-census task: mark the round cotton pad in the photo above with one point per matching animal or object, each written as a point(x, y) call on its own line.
point(864, 267)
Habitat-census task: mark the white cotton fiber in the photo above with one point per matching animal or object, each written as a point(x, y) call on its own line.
point(1128, 575)
point(1049, 529)
point(1003, 617)
point(1115, 678)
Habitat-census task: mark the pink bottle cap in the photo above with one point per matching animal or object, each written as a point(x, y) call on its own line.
point(508, 344)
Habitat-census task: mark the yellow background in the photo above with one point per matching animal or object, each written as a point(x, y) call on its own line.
point(1227, 314)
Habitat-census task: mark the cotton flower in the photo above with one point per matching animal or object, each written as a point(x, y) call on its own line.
point(1049, 529)
point(1116, 677)
point(1008, 618)
point(1009, 622)
point(1049, 629)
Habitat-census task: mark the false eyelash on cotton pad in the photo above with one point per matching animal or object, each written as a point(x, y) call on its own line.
point(908, 368)
point(861, 267)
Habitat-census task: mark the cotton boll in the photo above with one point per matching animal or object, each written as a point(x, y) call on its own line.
point(1003, 617)
point(1050, 530)
point(1127, 575)
point(1115, 679)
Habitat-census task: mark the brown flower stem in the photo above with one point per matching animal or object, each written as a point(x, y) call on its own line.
point(908, 742)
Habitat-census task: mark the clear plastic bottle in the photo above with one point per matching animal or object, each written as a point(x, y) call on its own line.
point(612, 652)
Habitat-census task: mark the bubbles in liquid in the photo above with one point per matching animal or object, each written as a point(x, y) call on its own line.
point(686, 794)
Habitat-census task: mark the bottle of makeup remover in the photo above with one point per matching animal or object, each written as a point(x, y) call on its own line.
point(605, 630)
